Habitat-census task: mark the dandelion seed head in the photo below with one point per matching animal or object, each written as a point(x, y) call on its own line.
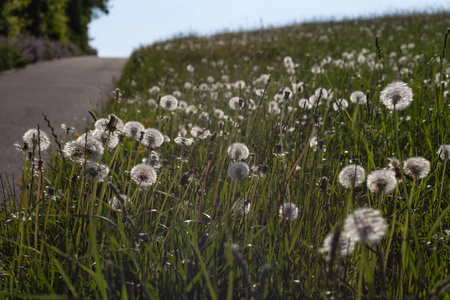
point(365, 225)
point(168, 102)
point(133, 129)
point(238, 151)
point(242, 207)
point(382, 181)
point(417, 167)
point(185, 141)
point(288, 211)
point(106, 137)
point(116, 204)
point(236, 103)
point(32, 138)
point(152, 138)
point(352, 176)
point(305, 104)
point(396, 95)
point(144, 175)
point(83, 149)
point(95, 170)
point(238, 170)
point(444, 152)
point(200, 133)
point(345, 245)
point(182, 105)
point(358, 97)
point(191, 110)
point(218, 113)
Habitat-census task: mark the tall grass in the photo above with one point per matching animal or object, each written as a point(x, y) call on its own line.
point(182, 238)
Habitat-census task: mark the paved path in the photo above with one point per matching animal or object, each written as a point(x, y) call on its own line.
point(62, 89)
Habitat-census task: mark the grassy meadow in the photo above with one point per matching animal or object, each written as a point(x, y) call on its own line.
point(180, 211)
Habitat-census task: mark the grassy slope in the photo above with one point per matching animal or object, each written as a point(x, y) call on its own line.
point(68, 251)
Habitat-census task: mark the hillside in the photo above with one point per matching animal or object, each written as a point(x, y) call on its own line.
point(304, 162)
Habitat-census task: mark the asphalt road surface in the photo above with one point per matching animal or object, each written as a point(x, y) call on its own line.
point(62, 89)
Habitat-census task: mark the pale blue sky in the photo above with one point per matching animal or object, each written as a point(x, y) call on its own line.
point(132, 23)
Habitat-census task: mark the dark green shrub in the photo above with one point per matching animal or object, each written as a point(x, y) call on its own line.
point(10, 57)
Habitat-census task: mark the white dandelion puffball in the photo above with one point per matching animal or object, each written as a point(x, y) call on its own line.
point(182, 105)
point(133, 129)
point(37, 140)
point(444, 152)
point(358, 97)
point(397, 95)
point(152, 138)
point(344, 247)
point(341, 103)
point(144, 175)
point(242, 206)
point(352, 176)
point(191, 110)
point(95, 170)
point(218, 113)
point(288, 211)
point(382, 181)
point(305, 104)
point(112, 123)
point(199, 132)
point(83, 148)
point(236, 103)
point(365, 225)
point(185, 141)
point(238, 151)
point(238, 170)
point(106, 137)
point(168, 102)
point(416, 167)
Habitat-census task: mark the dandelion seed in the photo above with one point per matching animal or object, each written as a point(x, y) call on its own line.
point(144, 175)
point(200, 133)
point(352, 176)
point(382, 181)
point(33, 139)
point(397, 95)
point(358, 97)
point(444, 152)
point(133, 129)
point(168, 102)
point(152, 138)
point(238, 170)
point(288, 211)
point(344, 247)
point(83, 149)
point(242, 207)
point(417, 167)
point(365, 225)
point(95, 170)
point(238, 151)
